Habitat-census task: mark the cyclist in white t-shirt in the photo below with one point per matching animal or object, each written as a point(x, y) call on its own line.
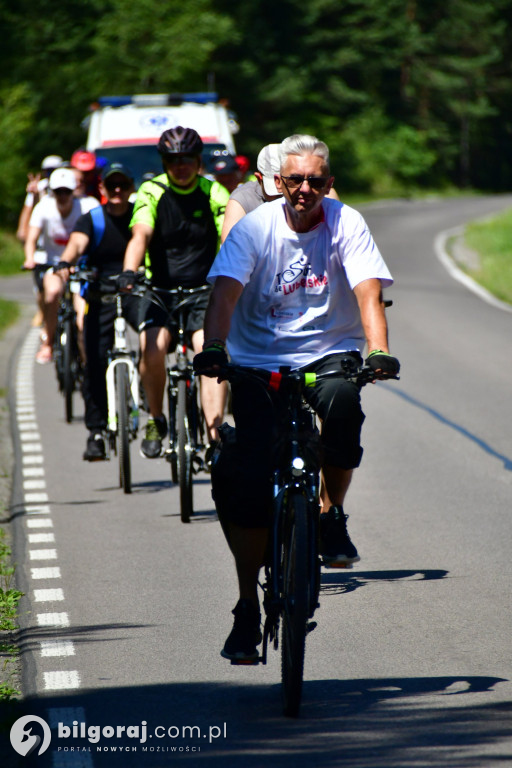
point(52, 222)
point(297, 282)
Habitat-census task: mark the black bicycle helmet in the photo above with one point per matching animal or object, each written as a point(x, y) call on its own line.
point(179, 141)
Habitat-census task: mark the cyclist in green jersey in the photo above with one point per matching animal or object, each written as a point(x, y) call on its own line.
point(176, 226)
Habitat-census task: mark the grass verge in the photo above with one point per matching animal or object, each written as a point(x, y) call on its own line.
point(492, 241)
point(11, 259)
point(9, 313)
point(9, 598)
point(11, 251)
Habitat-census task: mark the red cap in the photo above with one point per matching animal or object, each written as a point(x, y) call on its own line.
point(83, 160)
point(243, 163)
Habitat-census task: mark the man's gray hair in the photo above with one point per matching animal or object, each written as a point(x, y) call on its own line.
point(303, 144)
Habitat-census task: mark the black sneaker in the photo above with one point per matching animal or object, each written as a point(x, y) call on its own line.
point(245, 635)
point(336, 547)
point(95, 450)
point(156, 430)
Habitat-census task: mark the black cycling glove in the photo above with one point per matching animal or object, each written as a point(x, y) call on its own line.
point(62, 265)
point(125, 279)
point(379, 360)
point(213, 355)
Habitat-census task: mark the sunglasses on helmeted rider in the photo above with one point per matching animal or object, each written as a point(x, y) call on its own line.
point(111, 186)
point(180, 159)
point(295, 181)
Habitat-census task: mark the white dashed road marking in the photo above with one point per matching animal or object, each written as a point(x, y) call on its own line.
point(37, 513)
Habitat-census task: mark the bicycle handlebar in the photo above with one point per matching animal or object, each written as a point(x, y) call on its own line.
point(277, 380)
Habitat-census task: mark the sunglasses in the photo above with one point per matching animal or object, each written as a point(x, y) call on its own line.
point(111, 186)
point(295, 181)
point(62, 191)
point(181, 159)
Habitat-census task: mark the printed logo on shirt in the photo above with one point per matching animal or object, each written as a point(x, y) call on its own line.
point(297, 275)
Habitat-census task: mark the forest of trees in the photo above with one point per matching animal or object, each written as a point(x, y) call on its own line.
point(407, 94)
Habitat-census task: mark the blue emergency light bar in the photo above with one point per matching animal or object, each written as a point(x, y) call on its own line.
point(158, 99)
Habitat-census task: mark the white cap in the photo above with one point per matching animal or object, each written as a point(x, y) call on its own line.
point(51, 161)
point(63, 178)
point(269, 163)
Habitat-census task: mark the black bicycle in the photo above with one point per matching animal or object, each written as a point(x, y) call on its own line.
point(186, 420)
point(291, 585)
point(66, 351)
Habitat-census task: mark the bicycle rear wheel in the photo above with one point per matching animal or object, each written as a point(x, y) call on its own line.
point(123, 427)
point(184, 454)
point(295, 602)
point(68, 379)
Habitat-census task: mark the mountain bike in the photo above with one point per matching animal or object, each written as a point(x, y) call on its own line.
point(66, 351)
point(122, 379)
point(291, 584)
point(186, 420)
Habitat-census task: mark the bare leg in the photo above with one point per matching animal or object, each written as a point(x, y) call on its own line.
point(248, 546)
point(79, 304)
point(334, 486)
point(53, 287)
point(213, 395)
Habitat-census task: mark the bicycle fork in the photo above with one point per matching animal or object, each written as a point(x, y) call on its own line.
point(111, 393)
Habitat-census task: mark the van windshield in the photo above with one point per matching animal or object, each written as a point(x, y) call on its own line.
point(144, 159)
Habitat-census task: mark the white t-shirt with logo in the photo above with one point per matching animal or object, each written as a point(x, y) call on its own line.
point(298, 303)
point(55, 230)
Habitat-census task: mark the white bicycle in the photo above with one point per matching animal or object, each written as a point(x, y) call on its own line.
point(122, 398)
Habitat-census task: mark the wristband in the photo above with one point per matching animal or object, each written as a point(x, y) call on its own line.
point(378, 352)
point(214, 344)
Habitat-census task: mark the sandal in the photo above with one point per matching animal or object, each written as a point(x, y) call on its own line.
point(44, 355)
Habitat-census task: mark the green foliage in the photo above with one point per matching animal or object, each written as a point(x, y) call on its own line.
point(16, 120)
point(157, 47)
point(11, 254)
point(428, 85)
point(386, 158)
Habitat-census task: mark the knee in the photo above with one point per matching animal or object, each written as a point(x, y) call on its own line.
point(53, 289)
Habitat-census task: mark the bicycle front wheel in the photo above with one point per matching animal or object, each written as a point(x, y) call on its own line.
point(295, 602)
point(68, 380)
point(123, 427)
point(184, 453)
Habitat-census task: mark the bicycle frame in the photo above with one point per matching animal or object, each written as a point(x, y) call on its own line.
point(68, 363)
point(182, 370)
point(293, 475)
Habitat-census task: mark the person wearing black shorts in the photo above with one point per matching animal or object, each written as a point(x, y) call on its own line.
point(297, 283)
point(176, 228)
point(107, 257)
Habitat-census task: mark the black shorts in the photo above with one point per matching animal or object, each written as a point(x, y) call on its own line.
point(241, 481)
point(154, 316)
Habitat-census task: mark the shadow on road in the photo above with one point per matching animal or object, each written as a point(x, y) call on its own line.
point(343, 580)
point(369, 723)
